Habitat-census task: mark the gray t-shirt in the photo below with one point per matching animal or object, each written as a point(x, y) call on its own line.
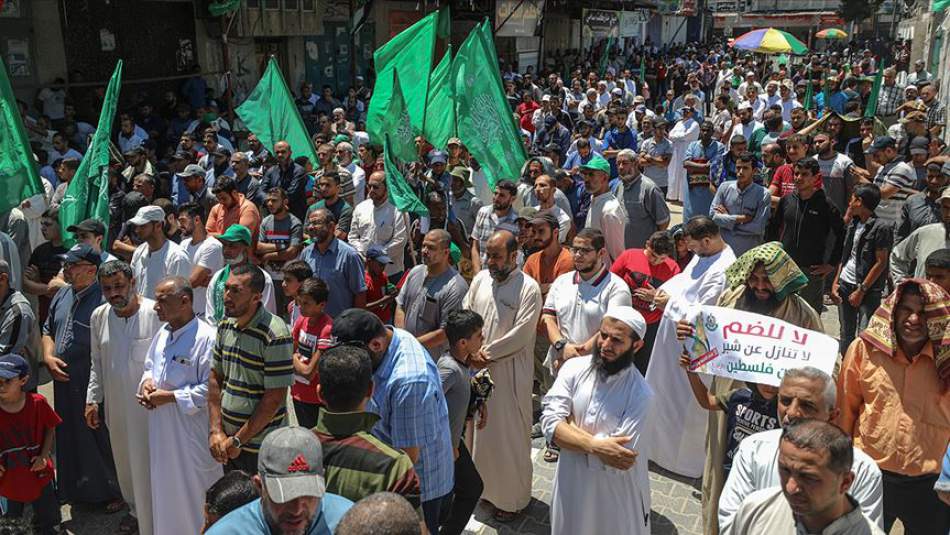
point(456, 385)
point(646, 210)
point(286, 232)
point(656, 173)
point(428, 301)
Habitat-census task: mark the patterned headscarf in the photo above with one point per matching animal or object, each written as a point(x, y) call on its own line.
point(882, 335)
point(783, 272)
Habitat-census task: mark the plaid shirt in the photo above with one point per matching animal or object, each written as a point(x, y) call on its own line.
point(889, 99)
point(413, 412)
point(936, 113)
point(485, 224)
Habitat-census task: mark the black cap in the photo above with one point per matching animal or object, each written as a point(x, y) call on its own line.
point(881, 143)
point(221, 151)
point(181, 155)
point(356, 325)
point(88, 225)
point(81, 252)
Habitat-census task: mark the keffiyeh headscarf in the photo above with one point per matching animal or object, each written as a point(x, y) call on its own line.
point(783, 272)
point(881, 334)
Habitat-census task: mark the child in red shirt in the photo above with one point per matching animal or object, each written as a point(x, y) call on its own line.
point(27, 425)
point(312, 335)
point(294, 272)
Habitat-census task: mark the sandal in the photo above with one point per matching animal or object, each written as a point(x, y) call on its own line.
point(504, 516)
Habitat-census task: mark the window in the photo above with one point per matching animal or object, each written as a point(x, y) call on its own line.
point(309, 5)
point(253, 4)
point(291, 5)
point(272, 5)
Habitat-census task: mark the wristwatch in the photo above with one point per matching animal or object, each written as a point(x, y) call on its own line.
point(559, 345)
point(862, 288)
point(235, 441)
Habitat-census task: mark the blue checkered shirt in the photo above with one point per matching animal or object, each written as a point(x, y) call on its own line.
point(413, 413)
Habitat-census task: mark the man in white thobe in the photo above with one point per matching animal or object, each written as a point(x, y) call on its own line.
point(679, 436)
point(120, 333)
point(174, 387)
point(601, 404)
point(510, 303)
point(683, 133)
point(606, 213)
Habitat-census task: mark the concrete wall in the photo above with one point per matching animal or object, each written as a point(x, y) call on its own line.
point(50, 60)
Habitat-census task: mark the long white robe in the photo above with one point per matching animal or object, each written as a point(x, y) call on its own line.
point(182, 467)
point(679, 423)
point(118, 348)
point(502, 450)
point(589, 496)
point(682, 134)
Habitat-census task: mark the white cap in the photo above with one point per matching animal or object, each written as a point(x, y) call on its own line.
point(744, 106)
point(148, 214)
point(629, 317)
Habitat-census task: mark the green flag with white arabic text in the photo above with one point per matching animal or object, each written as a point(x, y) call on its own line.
point(440, 110)
point(401, 193)
point(396, 124)
point(19, 179)
point(485, 123)
point(270, 113)
point(87, 195)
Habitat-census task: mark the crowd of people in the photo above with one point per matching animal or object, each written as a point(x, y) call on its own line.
point(258, 343)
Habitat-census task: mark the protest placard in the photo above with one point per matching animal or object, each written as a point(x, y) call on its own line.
point(752, 347)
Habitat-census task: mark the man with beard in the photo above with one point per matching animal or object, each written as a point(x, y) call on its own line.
point(598, 413)
point(764, 281)
point(407, 394)
point(377, 221)
point(157, 256)
point(923, 208)
point(642, 200)
point(700, 158)
point(743, 123)
point(545, 190)
point(429, 293)
point(464, 203)
point(233, 208)
point(335, 262)
point(578, 299)
point(247, 184)
point(292, 485)
point(204, 253)
point(193, 177)
point(894, 396)
point(510, 303)
point(683, 133)
point(606, 213)
point(680, 424)
point(741, 207)
point(907, 259)
point(805, 393)
point(121, 332)
point(837, 171)
point(251, 372)
point(815, 459)
point(85, 467)
point(236, 250)
point(289, 175)
point(489, 217)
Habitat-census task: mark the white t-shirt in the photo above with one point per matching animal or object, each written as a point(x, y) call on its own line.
point(149, 268)
point(209, 255)
point(54, 103)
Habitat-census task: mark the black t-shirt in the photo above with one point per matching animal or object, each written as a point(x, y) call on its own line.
point(747, 412)
point(46, 258)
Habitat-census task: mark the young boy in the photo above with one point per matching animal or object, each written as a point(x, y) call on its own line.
point(27, 424)
point(380, 293)
point(463, 328)
point(311, 334)
point(749, 410)
point(295, 272)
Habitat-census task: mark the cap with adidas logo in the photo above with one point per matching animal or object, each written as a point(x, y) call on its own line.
point(290, 464)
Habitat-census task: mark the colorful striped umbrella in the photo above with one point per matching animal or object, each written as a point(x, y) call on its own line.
point(770, 41)
point(831, 33)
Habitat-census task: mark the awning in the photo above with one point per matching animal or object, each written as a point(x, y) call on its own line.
point(796, 19)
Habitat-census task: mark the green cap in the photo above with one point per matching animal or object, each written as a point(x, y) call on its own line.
point(341, 138)
point(236, 233)
point(455, 253)
point(597, 163)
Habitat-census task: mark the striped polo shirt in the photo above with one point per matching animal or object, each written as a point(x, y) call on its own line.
point(359, 464)
point(248, 362)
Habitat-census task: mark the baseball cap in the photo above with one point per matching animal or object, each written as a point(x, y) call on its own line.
point(437, 156)
point(13, 366)
point(527, 213)
point(946, 170)
point(88, 225)
point(377, 253)
point(550, 121)
point(356, 325)
point(148, 214)
point(290, 464)
point(745, 106)
point(82, 252)
point(453, 141)
point(181, 155)
point(881, 143)
point(616, 91)
point(546, 98)
point(193, 170)
point(945, 196)
point(597, 163)
point(919, 145)
point(236, 233)
point(546, 217)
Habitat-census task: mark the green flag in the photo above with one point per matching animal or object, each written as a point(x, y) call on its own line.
point(18, 177)
point(395, 124)
point(809, 92)
point(871, 110)
point(223, 7)
point(400, 192)
point(440, 110)
point(270, 113)
point(939, 5)
point(484, 119)
point(411, 52)
point(606, 56)
point(87, 195)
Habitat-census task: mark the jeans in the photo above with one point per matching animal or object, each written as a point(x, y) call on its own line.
point(854, 320)
point(432, 511)
point(468, 489)
point(46, 514)
point(914, 500)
